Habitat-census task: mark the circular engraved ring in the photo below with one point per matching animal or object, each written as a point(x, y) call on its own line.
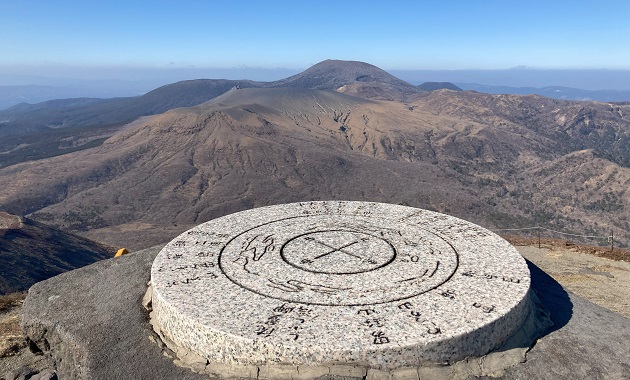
point(350, 260)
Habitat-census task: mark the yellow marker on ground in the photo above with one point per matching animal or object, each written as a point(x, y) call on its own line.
point(121, 252)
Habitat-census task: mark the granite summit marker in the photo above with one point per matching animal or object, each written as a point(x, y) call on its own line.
point(317, 283)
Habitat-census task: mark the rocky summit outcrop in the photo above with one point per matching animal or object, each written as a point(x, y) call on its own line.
point(103, 332)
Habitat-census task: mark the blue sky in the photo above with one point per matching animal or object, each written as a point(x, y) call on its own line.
point(134, 46)
point(440, 35)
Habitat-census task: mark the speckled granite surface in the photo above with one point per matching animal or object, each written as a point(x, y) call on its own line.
point(383, 285)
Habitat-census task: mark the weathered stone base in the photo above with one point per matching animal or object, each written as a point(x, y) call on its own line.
point(493, 364)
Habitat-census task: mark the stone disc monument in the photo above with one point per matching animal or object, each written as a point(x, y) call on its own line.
point(318, 283)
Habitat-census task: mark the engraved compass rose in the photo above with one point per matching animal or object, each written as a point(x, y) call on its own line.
point(338, 252)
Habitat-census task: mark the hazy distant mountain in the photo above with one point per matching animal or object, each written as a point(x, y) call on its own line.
point(40, 84)
point(432, 86)
point(17, 94)
point(56, 84)
point(556, 92)
point(357, 78)
point(588, 79)
point(498, 160)
point(65, 113)
point(12, 95)
point(31, 252)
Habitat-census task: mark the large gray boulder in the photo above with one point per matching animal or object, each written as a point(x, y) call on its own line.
point(92, 323)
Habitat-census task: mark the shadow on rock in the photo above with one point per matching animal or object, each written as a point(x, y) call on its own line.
point(552, 296)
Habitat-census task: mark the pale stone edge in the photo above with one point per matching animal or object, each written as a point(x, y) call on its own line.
point(493, 364)
point(521, 311)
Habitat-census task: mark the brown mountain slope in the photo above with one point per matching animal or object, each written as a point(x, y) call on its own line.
point(31, 252)
point(377, 91)
point(572, 125)
point(57, 127)
point(462, 153)
point(582, 186)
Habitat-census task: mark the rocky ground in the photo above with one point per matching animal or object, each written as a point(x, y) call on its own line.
point(593, 273)
point(16, 361)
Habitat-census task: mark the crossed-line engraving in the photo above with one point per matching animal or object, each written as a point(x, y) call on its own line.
point(326, 252)
point(340, 249)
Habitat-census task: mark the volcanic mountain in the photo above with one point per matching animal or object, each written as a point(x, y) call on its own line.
point(356, 78)
point(498, 160)
point(97, 113)
point(57, 127)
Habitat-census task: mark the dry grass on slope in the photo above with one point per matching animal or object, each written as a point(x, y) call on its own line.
point(11, 339)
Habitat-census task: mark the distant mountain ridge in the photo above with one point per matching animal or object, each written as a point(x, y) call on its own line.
point(48, 129)
point(11, 95)
point(492, 159)
point(63, 113)
point(555, 92)
point(497, 160)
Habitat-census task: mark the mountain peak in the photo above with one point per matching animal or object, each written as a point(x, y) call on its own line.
point(338, 63)
point(334, 74)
